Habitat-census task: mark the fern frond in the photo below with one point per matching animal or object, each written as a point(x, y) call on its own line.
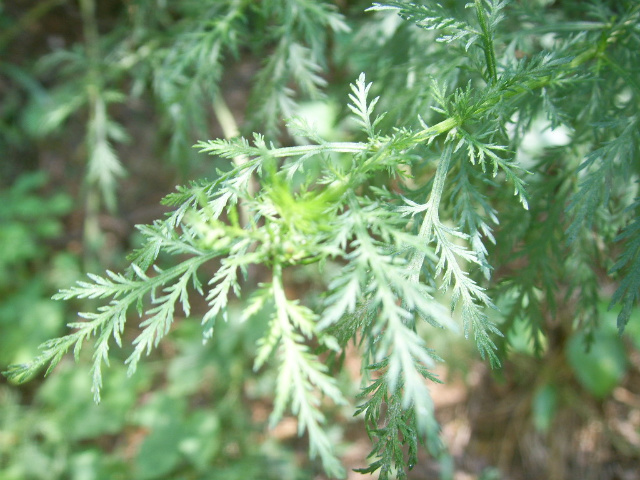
point(396, 440)
point(431, 17)
point(362, 107)
point(628, 293)
point(600, 168)
point(300, 374)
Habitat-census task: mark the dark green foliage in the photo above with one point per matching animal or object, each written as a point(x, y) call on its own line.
point(29, 220)
point(434, 190)
point(628, 293)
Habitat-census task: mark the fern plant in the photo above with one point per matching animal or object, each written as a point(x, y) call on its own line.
point(173, 56)
point(443, 201)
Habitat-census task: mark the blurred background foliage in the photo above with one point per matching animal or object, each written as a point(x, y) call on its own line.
point(100, 104)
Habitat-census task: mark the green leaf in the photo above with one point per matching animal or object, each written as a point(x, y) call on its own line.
point(544, 407)
point(600, 368)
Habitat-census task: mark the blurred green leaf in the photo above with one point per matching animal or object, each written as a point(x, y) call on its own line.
point(159, 453)
point(600, 368)
point(201, 441)
point(48, 112)
point(68, 399)
point(545, 402)
point(27, 318)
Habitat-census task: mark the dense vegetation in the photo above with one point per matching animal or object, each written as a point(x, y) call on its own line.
point(416, 167)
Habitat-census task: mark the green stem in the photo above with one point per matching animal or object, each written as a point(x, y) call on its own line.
point(438, 129)
point(225, 117)
point(230, 130)
point(90, 30)
point(92, 232)
point(280, 299)
point(338, 147)
point(431, 214)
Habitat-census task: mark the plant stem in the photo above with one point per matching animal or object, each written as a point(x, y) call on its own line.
point(339, 147)
point(92, 233)
point(431, 214)
point(230, 130)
